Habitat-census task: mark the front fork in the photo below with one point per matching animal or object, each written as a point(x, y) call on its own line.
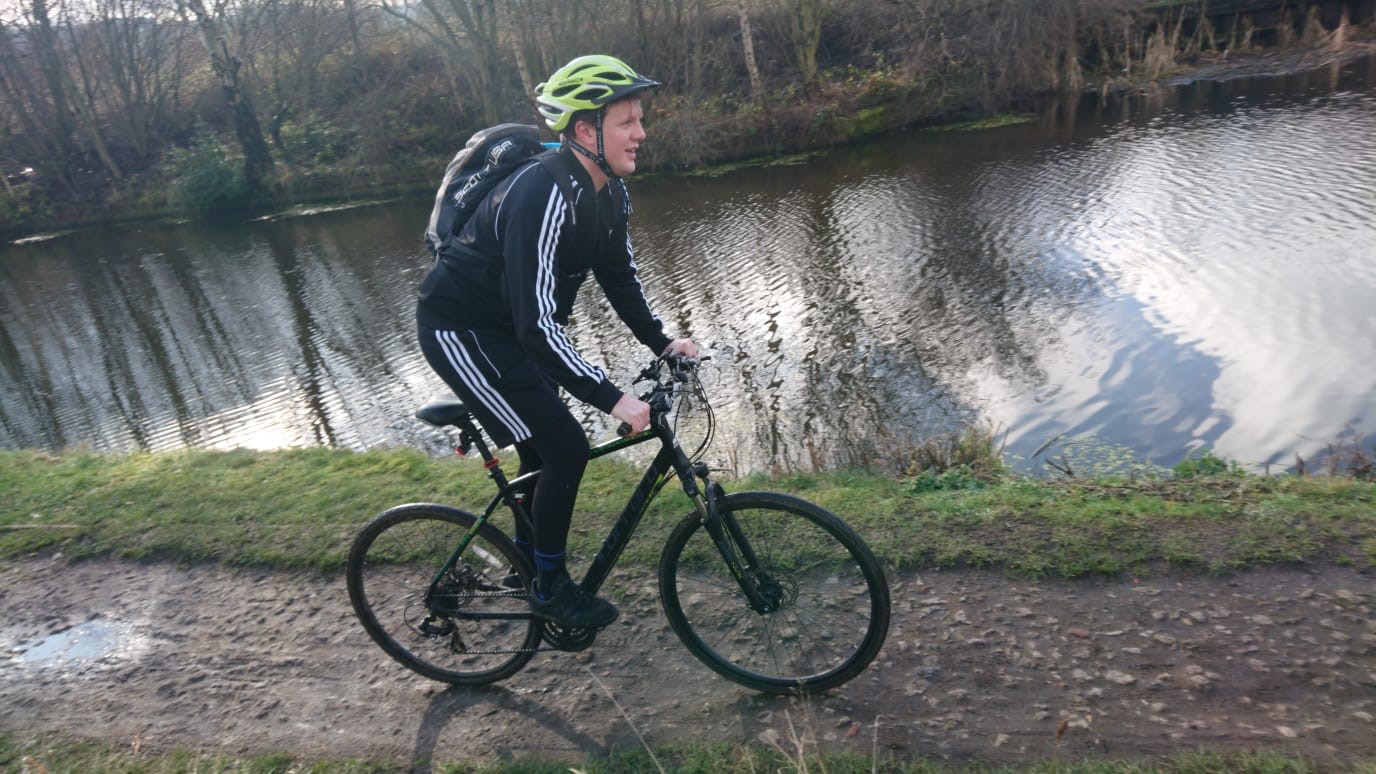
point(730, 540)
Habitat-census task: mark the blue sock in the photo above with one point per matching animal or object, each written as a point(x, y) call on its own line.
point(548, 567)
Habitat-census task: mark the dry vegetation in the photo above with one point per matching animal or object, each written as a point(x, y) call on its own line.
point(113, 108)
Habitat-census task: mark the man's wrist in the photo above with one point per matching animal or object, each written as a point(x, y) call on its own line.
point(605, 396)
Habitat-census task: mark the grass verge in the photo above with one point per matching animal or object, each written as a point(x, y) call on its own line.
point(52, 755)
point(299, 510)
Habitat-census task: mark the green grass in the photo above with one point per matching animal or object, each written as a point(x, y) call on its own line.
point(300, 509)
point(56, 755)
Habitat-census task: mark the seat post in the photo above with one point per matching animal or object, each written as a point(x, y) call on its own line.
point(470, 432)
point(448, 411)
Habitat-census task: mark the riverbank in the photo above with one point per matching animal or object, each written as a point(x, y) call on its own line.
point(298, 510)
point(180, 611)
point(846, 107)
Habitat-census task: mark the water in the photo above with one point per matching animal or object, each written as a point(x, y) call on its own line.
point(79, 647)
point(1195, 267)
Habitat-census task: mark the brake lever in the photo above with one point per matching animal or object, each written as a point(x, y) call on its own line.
point(683, 367)
point(649, 374)
point(680, 368)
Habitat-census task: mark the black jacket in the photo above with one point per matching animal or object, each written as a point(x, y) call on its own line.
point(518, 263)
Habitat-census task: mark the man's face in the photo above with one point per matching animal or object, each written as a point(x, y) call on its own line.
point(622, 134)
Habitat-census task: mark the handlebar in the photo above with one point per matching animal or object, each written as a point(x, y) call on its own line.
point(680, 369)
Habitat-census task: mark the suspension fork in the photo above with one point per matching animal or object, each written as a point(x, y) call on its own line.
point(726, 534)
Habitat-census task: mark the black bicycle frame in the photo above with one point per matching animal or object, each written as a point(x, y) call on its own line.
point(669, 459)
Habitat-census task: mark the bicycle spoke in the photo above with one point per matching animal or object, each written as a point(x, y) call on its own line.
point(829, 604)
point(807, 612)
point(447, 625)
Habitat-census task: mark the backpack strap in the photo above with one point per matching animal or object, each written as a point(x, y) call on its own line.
point(621, 198)
point(562, 178)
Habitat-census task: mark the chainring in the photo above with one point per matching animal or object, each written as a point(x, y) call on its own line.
point(567, 638)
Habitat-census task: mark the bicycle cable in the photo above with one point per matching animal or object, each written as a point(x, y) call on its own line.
point(698, 393)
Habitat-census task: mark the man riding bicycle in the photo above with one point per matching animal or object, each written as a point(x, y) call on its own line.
point(492, 310)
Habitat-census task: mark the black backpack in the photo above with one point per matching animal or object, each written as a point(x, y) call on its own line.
point(486, 159)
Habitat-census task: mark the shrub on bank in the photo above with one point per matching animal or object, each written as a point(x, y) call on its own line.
point(205, 178)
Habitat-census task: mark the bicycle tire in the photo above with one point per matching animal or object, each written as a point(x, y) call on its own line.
point(833, 612)
point(391, 567)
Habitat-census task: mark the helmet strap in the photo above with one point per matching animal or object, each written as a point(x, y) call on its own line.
point(599, 158)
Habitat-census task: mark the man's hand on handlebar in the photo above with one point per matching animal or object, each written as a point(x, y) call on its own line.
point(633, 412)
point(682, 348)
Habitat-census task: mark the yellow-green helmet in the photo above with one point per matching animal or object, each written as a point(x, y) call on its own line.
point(586, 83)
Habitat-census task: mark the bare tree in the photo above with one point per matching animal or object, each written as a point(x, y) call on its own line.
point(84, 95)
point(22, 106)
point(298, 37)
point(805, 18)
point(526, 28)
point(138, 58)
point(752, 69)
point(258, 161)
point(467, 30)
point(58, 121)
point(37, 89)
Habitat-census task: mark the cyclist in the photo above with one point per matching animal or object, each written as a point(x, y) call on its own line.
point(492, 310)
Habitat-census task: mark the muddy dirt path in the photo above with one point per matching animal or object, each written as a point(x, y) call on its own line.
point(976, 667)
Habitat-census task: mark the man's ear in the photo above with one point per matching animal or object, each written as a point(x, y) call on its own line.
point(585, 133)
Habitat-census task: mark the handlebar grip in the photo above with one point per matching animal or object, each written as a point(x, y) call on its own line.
point(624, 430)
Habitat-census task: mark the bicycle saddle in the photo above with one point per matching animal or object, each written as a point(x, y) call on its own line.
point(442, 410)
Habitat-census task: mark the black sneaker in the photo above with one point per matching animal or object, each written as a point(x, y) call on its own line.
point(569, 605)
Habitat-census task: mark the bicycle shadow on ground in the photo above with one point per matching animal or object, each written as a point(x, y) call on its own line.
point(486, 701)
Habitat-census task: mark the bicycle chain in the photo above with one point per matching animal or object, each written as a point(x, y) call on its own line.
point(575, 644)
point(561, 639)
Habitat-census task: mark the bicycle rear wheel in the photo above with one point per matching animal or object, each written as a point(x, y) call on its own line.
point(466, 628)
point(830, 610)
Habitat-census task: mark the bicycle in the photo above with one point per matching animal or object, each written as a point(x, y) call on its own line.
point(768, 590)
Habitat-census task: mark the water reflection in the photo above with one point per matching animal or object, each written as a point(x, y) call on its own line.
point(1179, 268)
point(265, 336)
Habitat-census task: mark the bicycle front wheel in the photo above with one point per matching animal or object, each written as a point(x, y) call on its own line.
point(828, 609)
point(464, 626)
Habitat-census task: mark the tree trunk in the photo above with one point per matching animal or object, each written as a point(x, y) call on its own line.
point(16, 91)
point(86, 114)
point(356, 56)
point(51, 65)
point(479, 20)
point(805, 28)
point(748, 44)
point(518, 32)
point(258, 162)
point(641, 38)
point(27, 95)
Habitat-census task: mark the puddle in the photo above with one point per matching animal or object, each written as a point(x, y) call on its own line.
point(97, 640)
